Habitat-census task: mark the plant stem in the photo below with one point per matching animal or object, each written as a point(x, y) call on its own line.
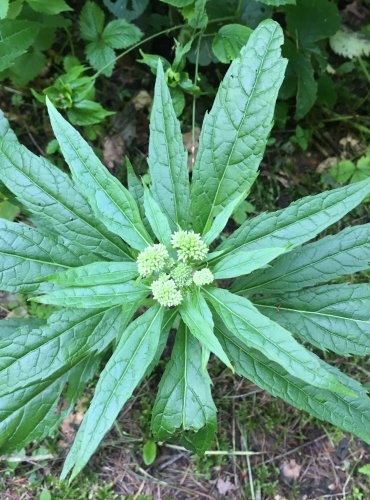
point(194, 99)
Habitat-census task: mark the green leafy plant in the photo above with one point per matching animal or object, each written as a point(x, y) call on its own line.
point(74, 91)
point(122, 282)
point(28, 30)
point(102, 40)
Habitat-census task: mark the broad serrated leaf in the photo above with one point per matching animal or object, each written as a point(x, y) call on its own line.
point(117, 382)
point(126, 9)
point(111, 202)
point(95, 296)
point(101, 57)
point(228, 41)
point(334, 317)
point(87, 112)
point(234, 133)
point(240, 262)
point(312, 20)
point(195, 314)
point(167, 158)
point(27, 255)
point(350, 413)
point(31, 355)
point(91, 21)
point(273, 341)
point(300, 65)
point(50, 7)
point(157, 219)
point(350, 44)
point(36, 407)
point(120, 34)
point(96, 273)
point(298, 223)
point(184, 401)
point(5, 131)
point(51, 195)
point(16, 38)
point(328, 259)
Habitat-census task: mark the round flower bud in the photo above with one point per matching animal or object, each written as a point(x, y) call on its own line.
point(203, 277)
point(189, 245)
point(165, 292)
point(152, 259)
point(182, 274)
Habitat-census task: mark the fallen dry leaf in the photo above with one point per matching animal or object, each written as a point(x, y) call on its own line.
point(290, 470)
point(113, 150)
point(225, 486)
point(187, 138)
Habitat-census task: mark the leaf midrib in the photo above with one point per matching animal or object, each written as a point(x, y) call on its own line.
point(246, 109)
point(79, 217)
point(108, 401)
point(268, 367)
point(66, 135)
point(300, 269)
point(229, 250)
point(267, 339)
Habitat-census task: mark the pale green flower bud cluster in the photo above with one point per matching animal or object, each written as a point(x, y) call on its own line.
point(190, 246)
point(152, 260)
point(174, 278)
point(203, 277)
point(182, 274)
point(165, 291)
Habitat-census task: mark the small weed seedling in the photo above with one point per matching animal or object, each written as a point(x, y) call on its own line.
point(125, 265)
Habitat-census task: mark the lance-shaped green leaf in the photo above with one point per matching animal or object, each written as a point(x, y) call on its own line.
point(31, 413)
point(91, 297)
point(27, 255)
point(221, 219)
point(335, 317)
point(325, 260)
point(167, 157)
point(136, 189)
point(350, 413)
point(300, 222)
point(240, 262)
point(194, 311)
point(35, 354)
point(184, 400)
point(259, 332)
point(157, 220)
point(5, 131)
point(50, 194)
point(111, 201)
point(234, 133)
point(169, 316)
point(117, 382)
point(96, 273)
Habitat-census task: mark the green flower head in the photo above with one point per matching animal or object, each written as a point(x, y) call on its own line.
point(165, 291)
point(190, 246)
point(153, 259)
point(182, 274)
point(203, 277)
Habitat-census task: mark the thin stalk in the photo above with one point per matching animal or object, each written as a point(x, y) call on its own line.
point(194, 99)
